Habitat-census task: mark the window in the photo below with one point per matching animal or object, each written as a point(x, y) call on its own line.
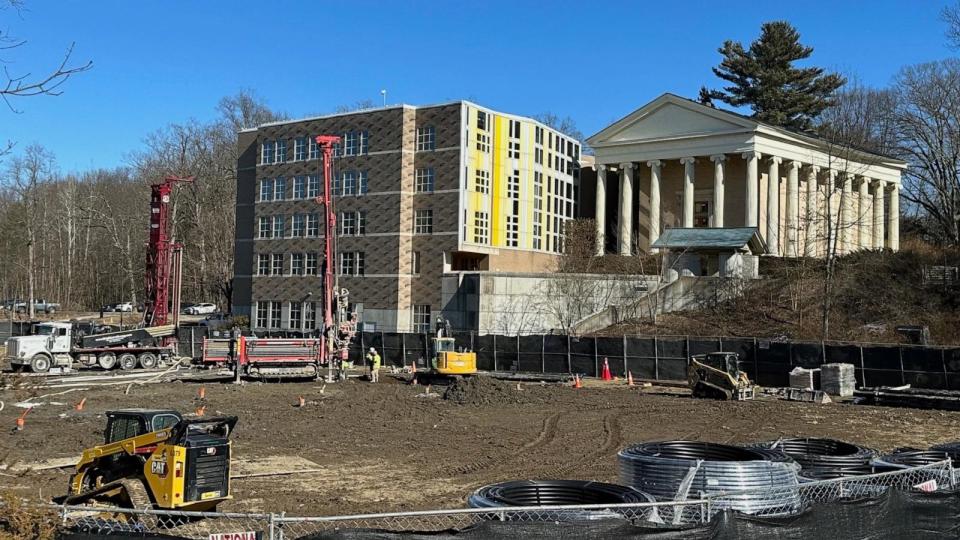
point(513, 147)
point(299, 187)
point(481, 227)
point(364, 143)
point(482, 181)
point(515, 129)
point(275, 315)
point(277, 226)
point(538, 135)
point(483, 142)
point(423, 222)
point(349, 183)
point(263, 264)
point(265, 227)
point(311, 266)
point(415, 263)
point(481, 120)
point(361, 222)
point(266, 190)
point(310, 316)
point(538, 156)
point(361, 270)
point(262, 313)
point(266, 152)
point(281, 152)
point(348, 223)
point(280, 188)
point(313, 225)
point(348, 263)
point(299, 226)
point(425, 138)
point(701, 214)
point(276, 266)
point(296, 264)
point(537, 210)
point(513, 230)
point(313, 148)
point(300, 149)
point(351, 143)
point(313, 186)
point(424, 183)
point(513, 185)
point(362, 183)
point(421, 318)
point(296, 315)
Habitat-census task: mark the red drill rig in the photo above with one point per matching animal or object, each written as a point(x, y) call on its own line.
point(164, 259)
point(339, 326)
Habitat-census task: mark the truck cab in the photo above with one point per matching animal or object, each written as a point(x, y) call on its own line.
point(49, 346)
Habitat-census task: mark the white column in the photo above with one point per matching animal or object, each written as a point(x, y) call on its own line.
point(893, 218)
point(601, 212)
point(626, 208)
point(833, 220)
point(718, 189)
point(688, 164)
point(878, 223)
point(792, 208)
point(773, 206)
point(810, 223)
point(864, 218)
point(846, 222)
point(753, 176)
point(654, 200)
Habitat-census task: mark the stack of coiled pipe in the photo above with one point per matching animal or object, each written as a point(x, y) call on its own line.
point(823, 459)
point(562, 492)
point(753, 481)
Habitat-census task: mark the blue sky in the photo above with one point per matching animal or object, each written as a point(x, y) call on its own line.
point(162, 62)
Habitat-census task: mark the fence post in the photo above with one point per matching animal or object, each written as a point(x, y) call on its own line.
point(543, 354)
point(943, 362)
point(656, 359)
point(569, 362)
point(596, 360)
point(516, 366)
point(270, 526)
point(626, 366)
point(903, 377)
point(495, 352)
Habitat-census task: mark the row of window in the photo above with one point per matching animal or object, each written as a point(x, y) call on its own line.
point(353, 143)
point(351, 263)
point(300, 315)
point(303, 316)
point(352, 223)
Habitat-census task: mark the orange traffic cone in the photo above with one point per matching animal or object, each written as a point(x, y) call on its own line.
point(629, 378)
point(200, 410)
point(22, 419)
point(577, 383)
point(301, 402)
point(413, 367)
point(606, 371)
point(202, 393)
point(80, 404)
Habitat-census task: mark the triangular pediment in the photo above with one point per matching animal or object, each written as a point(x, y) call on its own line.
point(670, 117)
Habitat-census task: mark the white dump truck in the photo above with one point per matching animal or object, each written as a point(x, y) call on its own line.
point(56, 344)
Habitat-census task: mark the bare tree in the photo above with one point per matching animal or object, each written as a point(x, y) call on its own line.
point(927, 116)
point(951, 16)
point(565, 125)
point(17, 85)
point(360, 105)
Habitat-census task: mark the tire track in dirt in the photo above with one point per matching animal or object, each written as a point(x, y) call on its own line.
point(612, 439)
point(548, 432)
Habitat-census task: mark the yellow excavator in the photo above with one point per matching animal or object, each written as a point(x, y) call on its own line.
point(156, 459)
point(717, 375)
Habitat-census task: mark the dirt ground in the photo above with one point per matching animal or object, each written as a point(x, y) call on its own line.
point(388, 447)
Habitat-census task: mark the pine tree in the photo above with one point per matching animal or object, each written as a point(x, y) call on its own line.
point(765, 79)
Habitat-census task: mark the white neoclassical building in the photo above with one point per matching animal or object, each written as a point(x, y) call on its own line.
point(677, 163)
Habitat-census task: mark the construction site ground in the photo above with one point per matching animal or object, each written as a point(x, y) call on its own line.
point(357, 447)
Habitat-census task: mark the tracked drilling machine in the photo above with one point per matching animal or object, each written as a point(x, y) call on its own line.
point(339, 325)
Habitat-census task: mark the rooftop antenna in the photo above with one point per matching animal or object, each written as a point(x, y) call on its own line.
point(384, 94)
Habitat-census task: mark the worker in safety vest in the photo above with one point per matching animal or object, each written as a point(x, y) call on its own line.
point(373, 359)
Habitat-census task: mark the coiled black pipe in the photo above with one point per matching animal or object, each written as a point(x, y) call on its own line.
point(755, 481)
point(904, 458)
point(951, 448)
point(822, 459)
point(560, 492)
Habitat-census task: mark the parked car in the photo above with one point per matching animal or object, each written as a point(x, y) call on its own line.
point(39, 306)
point(184, 306)
point(201, 309)
point(125, 307)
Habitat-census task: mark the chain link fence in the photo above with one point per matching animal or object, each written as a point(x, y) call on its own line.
point(86, 521)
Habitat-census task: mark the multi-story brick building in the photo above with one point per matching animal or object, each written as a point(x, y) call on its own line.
point(420, 191)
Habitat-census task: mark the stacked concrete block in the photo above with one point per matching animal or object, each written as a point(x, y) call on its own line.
point(838, 379)
point(802, 378)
